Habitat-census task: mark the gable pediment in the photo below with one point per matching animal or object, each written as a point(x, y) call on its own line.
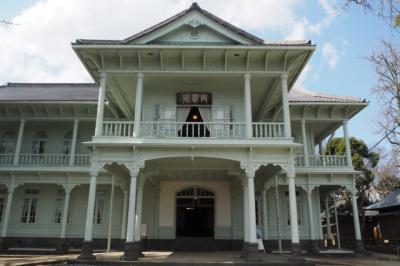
point(194, 26)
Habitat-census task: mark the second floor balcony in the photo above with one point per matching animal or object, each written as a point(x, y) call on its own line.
point(334, 161)
point(214, 130)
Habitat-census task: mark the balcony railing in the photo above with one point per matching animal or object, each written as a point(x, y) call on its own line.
point(322, 161)
point(216, 130)
point(51, 160)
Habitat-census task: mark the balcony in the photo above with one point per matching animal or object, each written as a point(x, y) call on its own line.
point(214, 130)
point(49, 160)
point(322, 161)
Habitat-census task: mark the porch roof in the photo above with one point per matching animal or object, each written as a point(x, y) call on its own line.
point(86, 92)
point(391, 200)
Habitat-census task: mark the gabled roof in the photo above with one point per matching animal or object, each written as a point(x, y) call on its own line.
point(391, 200)
point(13, 92)
point(193, 7)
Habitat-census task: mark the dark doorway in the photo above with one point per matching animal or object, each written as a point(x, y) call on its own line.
point(196, 128)
point(194, 216)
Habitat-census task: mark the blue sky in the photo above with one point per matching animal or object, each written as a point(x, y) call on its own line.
point(338, 66)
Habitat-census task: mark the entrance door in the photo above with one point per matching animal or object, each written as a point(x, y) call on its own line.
point(195, 213)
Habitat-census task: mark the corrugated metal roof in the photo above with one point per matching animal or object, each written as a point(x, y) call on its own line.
point(89, 92)
point(297, 95)
point(48, 92)
point(391, 200)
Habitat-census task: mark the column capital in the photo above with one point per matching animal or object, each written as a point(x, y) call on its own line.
point(264, 193)
point(247, 76)
point(103, 75)
point(345, 122)
point(303, 121)
point(291, 175)
point(125, 191)
point(284, 76)
point(140, 75)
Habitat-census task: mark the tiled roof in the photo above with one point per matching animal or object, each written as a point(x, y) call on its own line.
point(48, 92)
point(391, 200)
point(196, 7)
point(89, 92)
point(298, 95)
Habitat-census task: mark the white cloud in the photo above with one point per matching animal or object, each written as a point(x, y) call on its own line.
point(38, 49)
point(330, 54)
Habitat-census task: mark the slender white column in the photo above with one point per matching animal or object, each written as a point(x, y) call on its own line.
point(285, 106)
point(310, 214)
point(124, 214)
point(336, 222)
point(247, 101)
point(130, 232)
point(139, 203)
point(265, 217)
point(19, 141)
point(90, 207)
point(305, 145)
point(10, 194)
point(138, 105)
point(64, 220)
point(245, 211)
point(157, 214)
point(347, 143)
point(278, 215)
point(110, 216)
point(294, 227)
point(73, 142)
point(328, 219)
point(252, 210)
point(356, 220)
point(100, 105)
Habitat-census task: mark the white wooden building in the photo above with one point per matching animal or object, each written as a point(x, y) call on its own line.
point(190, 138)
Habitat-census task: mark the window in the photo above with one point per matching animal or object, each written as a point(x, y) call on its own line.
point(29, 207)
point(59, 204)
point(39, 142)
point(67, 143)
point(299, 207)
point(2, 200)
point(7, 143)
point(99, 207)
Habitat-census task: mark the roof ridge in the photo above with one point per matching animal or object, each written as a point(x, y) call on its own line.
point(32, 84)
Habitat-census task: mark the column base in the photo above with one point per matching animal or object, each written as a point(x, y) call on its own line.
point(61, 246)
point(313, 247)
point(296, 254)
point(244, 250)
point(253, 253)
point(87, 251)
point(359, 249)
point(3, 244)
point(121, 244)
point(131, 251)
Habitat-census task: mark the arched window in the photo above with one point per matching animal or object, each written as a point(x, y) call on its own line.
point(7, 143)
point(67, 143)
point(39, 142)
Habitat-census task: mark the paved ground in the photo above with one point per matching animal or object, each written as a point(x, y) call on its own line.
point(188, 257)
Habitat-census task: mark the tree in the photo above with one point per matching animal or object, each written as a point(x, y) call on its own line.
point(389, 10)
point(387, 172)
point(363, 160)
point(386, 63)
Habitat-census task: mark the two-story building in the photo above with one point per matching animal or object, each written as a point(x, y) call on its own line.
point(191, 138)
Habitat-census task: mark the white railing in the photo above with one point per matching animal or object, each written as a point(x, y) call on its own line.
point(6, 159)
point(268, 130)
point(322, 161)
point(82, 160)
point(45, 160)
point(218, 130)
point(117, 129)
point(172, 129)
